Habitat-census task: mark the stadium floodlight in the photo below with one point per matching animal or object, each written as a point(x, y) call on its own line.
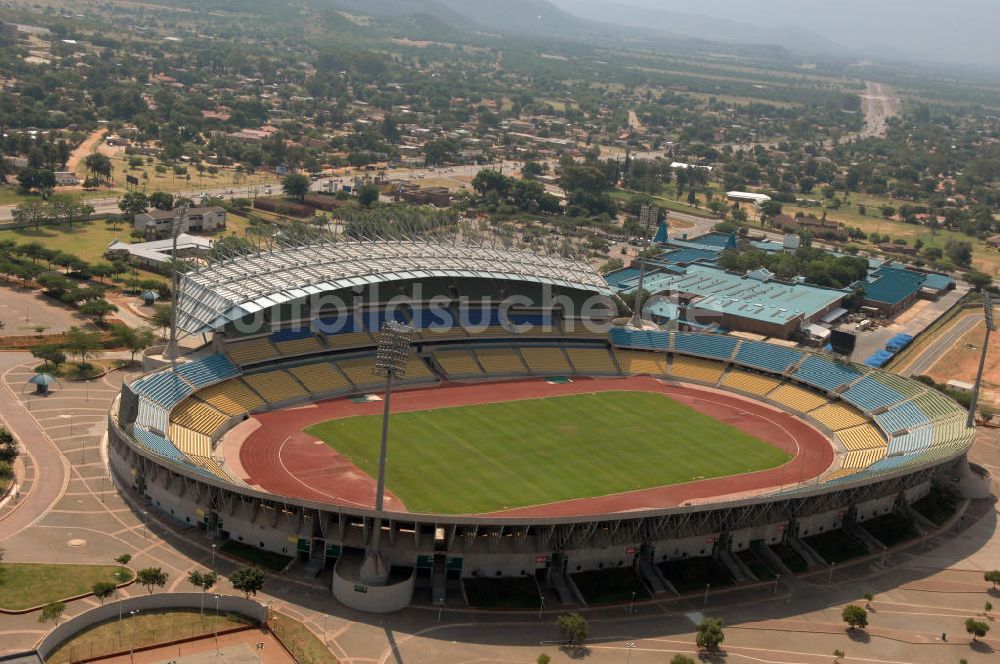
point(390, 361)
point(391, 356)
point(177, 225)
point(649, 216)
point(991, 327)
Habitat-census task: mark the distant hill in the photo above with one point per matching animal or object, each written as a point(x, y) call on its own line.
point(794, 38)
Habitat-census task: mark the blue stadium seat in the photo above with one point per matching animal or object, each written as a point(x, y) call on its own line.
point(904, 416)
point(332, 325)
point(165, 388)
point(646, 339)
point(208, 370)
point(158, 445)
point(824, 374)
point(433, 318)
point(293, 334)
point(914, 441)
point(707, 345)
point(869, 395)
point(766, 356)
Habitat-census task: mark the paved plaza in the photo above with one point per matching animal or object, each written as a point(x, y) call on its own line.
point(922, 591)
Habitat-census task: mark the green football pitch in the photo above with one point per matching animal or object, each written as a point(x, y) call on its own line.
point(490, 457)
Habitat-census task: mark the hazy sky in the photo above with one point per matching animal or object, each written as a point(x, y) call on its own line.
point(935, 30)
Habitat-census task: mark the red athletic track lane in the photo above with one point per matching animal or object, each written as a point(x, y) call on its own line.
point(280, 458)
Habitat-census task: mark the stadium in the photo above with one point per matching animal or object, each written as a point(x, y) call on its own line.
point(534, 434)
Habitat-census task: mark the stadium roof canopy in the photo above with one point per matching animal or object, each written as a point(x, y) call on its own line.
point(223, 292)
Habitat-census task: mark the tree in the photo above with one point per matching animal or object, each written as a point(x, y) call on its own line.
point(103, 590)
point(52, 612)
point(133, 203)
point(855, 616)
point(976, 628)
point(123, 560)
point(99, 165)
point(248, 580)
point(709, 634)
point(152, 577)
point(50, 354)
point(135, 340)
point(993, 576)
point(959, 252)
point(573, 627)
point(295, 185)
point(979, 280)
point(32, 213)
point(868, 600)
point(161, 200)
point(36, 178)
point(203, 580)
point(611, 265)
point(161, 316)
point(367, 194)
point(83, 344)
point(681, 659)
point(98, 308)
point(838, 654)
point(543, 659)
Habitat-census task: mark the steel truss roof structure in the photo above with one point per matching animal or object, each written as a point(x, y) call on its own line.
point(228, 290)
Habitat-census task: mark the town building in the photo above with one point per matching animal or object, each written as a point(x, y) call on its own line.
point(157, 223)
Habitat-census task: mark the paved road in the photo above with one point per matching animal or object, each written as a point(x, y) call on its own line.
point(51, 469)
point(936, 350)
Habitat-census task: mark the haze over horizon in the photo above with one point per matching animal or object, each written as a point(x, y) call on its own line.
point(957, 32)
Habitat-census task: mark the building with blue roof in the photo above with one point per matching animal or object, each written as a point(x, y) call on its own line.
point(891, 288)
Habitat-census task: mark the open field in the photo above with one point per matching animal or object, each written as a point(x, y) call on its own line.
point(504, 455)
point(23, 585)
point(962, 363)
point(150, 628)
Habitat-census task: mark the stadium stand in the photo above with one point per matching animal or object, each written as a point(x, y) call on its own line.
point(907, 388)
point(634, 363)
point(591, 361)
point(251, 351)
point(824, 374)
point(305, 346)
point(152, 415)
point(767, 356)
point(231, 397)
point(158, 445)
point(416, 369)
point(321, 378)
point(899, 418)
point(751, 383)
point(190, 442)
point(198, 416)
point(870, 395)
point(797, 398)
point(459, 363)
point(275, 386)
point(361, 372)
point(501, 361)
point(164, 387)
point(696, 368)
point(209, 465)
point(934, 405)
point(917, 440)
point(862, 458)
point(706, 345)
point(346, 340)
point(207, 370)
point(547, 361)
point(861, 437)
point(645, 339)
point(836, 416)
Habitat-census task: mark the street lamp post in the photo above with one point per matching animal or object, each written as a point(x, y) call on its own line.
point(631, 606)
point(777, 580)
point(630, 646)
point(213, 557)
point(131, 652)
point(391, 357)
point(216, 624)
point(707, 586)
point(648, 216)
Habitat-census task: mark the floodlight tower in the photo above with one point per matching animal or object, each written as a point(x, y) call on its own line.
point(171, 351)
point(990, 327)
point(649, 216)
point(390, 361)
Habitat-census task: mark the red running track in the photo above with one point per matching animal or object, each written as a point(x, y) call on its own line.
point(280, 458)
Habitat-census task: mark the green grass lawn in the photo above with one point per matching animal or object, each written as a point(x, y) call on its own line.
point(24, 585)
point(474, 459)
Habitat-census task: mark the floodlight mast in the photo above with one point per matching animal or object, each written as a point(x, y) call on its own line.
point(649, 215)
point(990, 327)
point(177, 225)
point(391, 356)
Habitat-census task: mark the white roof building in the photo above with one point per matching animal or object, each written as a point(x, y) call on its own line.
point(747, 197)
